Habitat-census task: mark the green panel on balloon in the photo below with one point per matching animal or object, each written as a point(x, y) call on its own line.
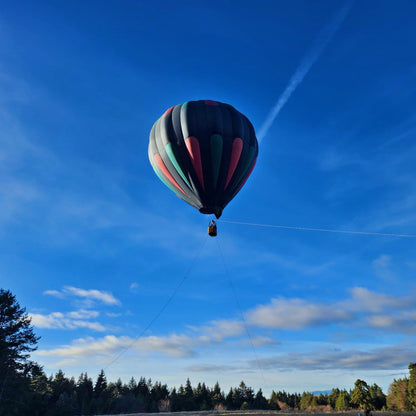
point(216, 156)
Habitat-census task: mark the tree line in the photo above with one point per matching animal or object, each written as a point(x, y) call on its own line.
point(25, 389)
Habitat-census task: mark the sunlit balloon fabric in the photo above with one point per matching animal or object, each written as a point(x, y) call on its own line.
point(204, 151)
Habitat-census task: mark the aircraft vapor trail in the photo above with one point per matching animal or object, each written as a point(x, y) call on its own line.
point(309, 59)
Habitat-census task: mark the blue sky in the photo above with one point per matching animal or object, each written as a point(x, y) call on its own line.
point(94, 246)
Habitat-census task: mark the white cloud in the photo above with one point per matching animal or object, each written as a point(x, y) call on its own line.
point(284, 313)
point(71, 320)
point(55, 293)
point(363, 309)
point(90, 294)
point(171, 345)
point(260, 341)
point(83, 314)
point(390, 357)
point(399, 322)
point(134, 286)
point(367, 300)
point(223, 328)
point(203, 368)
point(113, 314)
point(84, 347)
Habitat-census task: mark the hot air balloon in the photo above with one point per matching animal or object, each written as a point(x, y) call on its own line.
point(204, 151)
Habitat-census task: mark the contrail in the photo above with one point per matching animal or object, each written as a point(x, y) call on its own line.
point(310, 58)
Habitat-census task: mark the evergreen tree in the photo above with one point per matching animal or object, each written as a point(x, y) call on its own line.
point(315, 401)
point(100, 402)
point(100, 384)
point(398, 397)
point(84, 390)
point(189, 393)
point(186, 397)
point(305, 401)
point(217, 397)
point(143, 394)
point(202, 397)
point(411, 386)
point(332, 398)
point(17, 340)
point(64, 396)
point(174, 401)
point(360, 396)
point(229, 400)
point(322, 400)
point(378, 398)
point(260, 401)
point(158, 398)
point(245, 396)
point(40, 392)
point(274, 401)
point(342, 401)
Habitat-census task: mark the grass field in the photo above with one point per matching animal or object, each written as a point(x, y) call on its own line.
point(268, 413)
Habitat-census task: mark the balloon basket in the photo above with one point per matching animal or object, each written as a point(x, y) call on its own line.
point(212, 229)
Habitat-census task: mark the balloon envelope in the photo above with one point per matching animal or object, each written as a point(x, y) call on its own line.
point(204, 151)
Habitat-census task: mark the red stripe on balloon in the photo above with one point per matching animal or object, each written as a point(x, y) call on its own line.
point(165, 171)
point(168, 111)
point(210, 102)
point(194, 151)
point(235, 157)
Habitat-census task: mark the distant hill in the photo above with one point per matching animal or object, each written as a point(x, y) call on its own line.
point(318, 392)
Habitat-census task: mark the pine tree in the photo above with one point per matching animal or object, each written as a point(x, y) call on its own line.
point(411, 386)
point(360, 396)
point(218, 399)
point(84, 390)
point(100, 384)
point(398, 396)
point(378, 398)
point(63, 394)
point(342, 401)
point(332, 398)
point(260, 401)
point(17, 341)
point(305, 401)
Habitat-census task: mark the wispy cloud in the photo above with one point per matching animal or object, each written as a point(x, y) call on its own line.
point(93, 295)
point(284, 313)
point(172, 346)
point(84, 347)
point(366, 300)
point(208, 368)
point(261, 341)
point(223, 328)
point(71, 320)
point(310, 58)
point(134, 287)
point(392, 357)
point(363, 308)
point(402, 322)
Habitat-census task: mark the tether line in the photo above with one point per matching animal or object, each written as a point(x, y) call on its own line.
point(237, 301)
point(327, 230)
point(162, 309)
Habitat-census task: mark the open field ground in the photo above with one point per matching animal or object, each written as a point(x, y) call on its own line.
point(268, 413)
